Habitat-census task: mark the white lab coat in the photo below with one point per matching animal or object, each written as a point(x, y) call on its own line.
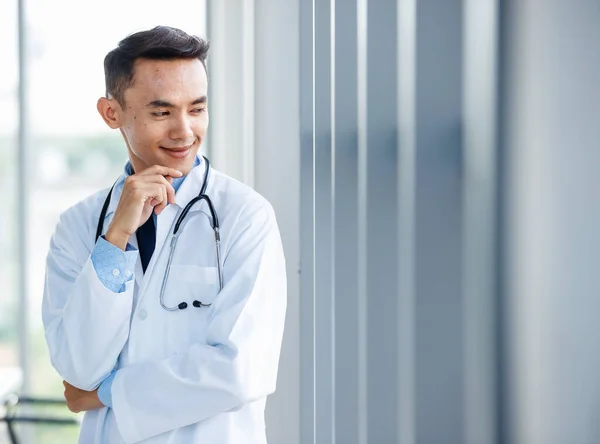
point(200, 375)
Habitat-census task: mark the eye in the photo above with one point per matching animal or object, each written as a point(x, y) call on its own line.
point(198, 110)
point(160, 113)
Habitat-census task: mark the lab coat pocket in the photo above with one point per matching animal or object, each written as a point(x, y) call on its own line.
point(196, 283)
point(198, 287)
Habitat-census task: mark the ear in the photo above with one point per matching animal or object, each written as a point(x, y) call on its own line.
point(111, 112)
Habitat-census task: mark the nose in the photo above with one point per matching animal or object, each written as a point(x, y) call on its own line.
point(181, 128)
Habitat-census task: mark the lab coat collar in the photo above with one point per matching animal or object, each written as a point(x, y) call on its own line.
point(192, 185)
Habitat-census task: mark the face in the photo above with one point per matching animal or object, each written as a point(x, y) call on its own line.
point(165, 116)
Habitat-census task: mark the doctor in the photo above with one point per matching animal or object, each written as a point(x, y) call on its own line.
point(167, 326)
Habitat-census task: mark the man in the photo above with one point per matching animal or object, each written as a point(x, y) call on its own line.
point(165, 338)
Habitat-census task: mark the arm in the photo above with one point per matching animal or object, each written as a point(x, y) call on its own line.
point(86, 322)
point(238, 362)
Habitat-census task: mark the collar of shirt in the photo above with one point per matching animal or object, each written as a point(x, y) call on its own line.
point(176, 182)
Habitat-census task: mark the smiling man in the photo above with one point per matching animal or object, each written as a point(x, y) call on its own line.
point(165, 295)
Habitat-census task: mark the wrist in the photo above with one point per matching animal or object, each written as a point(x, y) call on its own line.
point(118, 238)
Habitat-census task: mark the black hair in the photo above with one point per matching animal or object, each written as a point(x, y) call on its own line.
point(159, 43)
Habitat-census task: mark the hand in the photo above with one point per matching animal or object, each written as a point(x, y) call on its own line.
point(147, 191)
point(81, 401)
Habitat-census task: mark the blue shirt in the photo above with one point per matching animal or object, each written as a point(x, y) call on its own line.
point(114, 268)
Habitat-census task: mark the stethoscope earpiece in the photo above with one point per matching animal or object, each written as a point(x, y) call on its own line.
point(197, 304)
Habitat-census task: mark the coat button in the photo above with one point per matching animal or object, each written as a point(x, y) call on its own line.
point(116, 272)
point(143, 314)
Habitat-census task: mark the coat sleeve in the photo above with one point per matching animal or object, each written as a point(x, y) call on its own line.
point(86, 324)
point(238, 362)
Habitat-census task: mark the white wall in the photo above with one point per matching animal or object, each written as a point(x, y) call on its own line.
point(254, 137)
point(553, 105)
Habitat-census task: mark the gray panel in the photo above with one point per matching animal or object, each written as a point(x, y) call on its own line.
point(362, 239)
point(480, 111)
point(381, 254)
point(439, 350)
point(307, 299)
point(346, 223)
point(323, 228)
point(553, 218)
point(278, 179)
point(503, 386)
point(406, 220)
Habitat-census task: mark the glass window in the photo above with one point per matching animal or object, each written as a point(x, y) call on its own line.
point(73, 153)
point(9, 83)
point(9, 304)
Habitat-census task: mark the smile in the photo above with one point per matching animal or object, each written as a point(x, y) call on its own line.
point(178, 153)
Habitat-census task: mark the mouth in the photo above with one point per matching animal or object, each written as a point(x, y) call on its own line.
point(178, 152)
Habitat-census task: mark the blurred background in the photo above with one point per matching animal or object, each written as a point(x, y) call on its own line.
point(432, 164)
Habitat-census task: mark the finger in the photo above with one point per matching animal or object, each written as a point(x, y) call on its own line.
point(170, 193)
point(169, 190)
point(160, 199)
point(150, 193)
point(162, 170)
point(163, 181)
point(148, 188)
point(156, 190)
point(163, 204)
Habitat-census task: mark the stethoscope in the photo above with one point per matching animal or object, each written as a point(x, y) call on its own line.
point(176, 232)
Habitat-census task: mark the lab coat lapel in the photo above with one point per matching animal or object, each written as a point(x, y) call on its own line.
point(191, 186)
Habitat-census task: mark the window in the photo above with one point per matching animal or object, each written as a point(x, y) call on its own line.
point(9, 82)
point(72, 153)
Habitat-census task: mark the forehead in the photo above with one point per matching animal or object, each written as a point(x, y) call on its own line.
point(180, 80)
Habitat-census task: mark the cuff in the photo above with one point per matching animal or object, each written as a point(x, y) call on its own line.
point(114, 266)
point(104, 391)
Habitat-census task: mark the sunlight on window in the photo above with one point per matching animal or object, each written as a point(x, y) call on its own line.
point(8, 150)
point(73, 153)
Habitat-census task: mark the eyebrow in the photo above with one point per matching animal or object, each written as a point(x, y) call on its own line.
point(164, 104)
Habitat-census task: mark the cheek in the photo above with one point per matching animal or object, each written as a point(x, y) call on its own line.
point(144, 132)
point(202, 125)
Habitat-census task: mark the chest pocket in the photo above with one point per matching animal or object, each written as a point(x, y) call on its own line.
point(195, 283)
point(189, 283)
